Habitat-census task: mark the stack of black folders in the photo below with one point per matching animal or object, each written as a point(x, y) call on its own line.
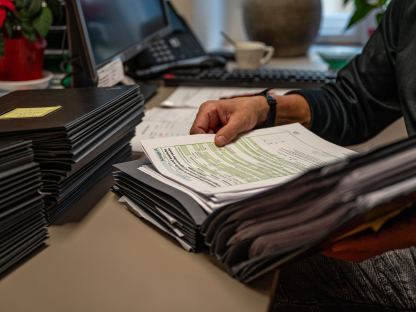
point(172, 211)
point(77, 135)
point(22, 220)
point(287, 222)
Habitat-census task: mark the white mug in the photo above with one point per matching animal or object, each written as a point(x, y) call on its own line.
point(252, 54)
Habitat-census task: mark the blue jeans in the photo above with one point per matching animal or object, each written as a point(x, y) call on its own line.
point(383, 283)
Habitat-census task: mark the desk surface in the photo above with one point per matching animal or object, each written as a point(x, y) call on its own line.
point(112, 261)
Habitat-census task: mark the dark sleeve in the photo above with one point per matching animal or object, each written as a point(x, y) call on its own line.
point(364, 100)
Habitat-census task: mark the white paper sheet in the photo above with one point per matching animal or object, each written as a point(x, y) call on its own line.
point(195, 96)
point(205, 202)
point(262, 158)
point(163, 122)
point(208, 203)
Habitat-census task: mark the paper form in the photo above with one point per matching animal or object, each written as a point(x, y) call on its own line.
point(178, 112)
point(261, 158)
point(163, 122)
point(208, 203)
point(195, 96)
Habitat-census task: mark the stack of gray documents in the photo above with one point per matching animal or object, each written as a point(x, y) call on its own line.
point(169, 209)
point(188, 178)
point(22, 219)
point(283, 224)
point(287, 193)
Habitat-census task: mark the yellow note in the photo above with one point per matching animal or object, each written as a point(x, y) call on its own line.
point(375, 225)
point(29, 112)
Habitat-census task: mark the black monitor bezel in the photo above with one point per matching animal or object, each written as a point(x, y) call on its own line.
point(125, 55)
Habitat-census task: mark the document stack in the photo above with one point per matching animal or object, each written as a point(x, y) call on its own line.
point(186, 179)
point(270, 197)
point(22, 219)
point(334, 201)
point(77, 135)
point(162, 205)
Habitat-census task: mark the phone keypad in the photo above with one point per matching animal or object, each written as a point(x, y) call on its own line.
point(161, 52)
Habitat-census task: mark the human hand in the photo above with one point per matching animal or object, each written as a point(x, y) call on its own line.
point(230, 117)
point(398, 235)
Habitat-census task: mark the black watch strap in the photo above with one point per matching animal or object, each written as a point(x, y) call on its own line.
point(271, 115)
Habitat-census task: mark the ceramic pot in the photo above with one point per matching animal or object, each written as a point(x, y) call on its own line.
point(290, 26)
point(22, 59)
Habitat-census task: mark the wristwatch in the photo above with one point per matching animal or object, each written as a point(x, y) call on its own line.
point(271, 115)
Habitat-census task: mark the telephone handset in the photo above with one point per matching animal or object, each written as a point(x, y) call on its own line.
point(179, 49)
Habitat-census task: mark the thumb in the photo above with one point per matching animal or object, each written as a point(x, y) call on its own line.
point(226, 134)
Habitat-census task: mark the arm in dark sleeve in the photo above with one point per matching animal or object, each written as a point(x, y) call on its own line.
point(364, 100)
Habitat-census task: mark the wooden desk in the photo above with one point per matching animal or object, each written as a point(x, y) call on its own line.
point(112, 261)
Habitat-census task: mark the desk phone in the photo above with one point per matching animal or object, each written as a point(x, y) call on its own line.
point(179, 49)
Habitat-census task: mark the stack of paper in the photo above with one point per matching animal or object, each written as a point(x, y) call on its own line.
point(165, 207)
point(195, 96)
point(77, 135)
point(264, 232)
point(177, 113)
point(22, 219)
point(210, 178)
point(163, 122)
point(271, 197)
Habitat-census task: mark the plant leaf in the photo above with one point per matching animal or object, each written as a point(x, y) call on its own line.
point(26, 26)
point(43, 22)
point(20, 4)
point(30, 35)
point(362, 9)
point(379, 17)
point(8, 28)
point(34, 8)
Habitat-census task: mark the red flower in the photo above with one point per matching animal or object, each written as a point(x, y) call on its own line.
point(4, 6)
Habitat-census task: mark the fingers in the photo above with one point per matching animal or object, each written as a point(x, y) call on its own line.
point(227, 118)
point(236, 124)
point(201, 124)
point(206, 120)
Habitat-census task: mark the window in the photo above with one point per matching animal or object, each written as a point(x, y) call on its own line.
point(335, 17)
point(208, 18)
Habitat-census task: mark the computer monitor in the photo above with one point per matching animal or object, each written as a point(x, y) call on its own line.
point(117, 28)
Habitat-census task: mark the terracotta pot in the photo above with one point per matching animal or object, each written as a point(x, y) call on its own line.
point(22, 59)
point(290, 26)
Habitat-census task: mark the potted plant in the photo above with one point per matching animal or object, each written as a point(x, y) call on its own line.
point(24, 25)
point(364, 7)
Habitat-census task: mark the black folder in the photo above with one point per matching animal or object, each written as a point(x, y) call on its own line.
point(76, 133)
point(22, 218)
point(177, 213)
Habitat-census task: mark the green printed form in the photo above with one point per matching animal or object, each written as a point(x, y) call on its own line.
point(258, 159)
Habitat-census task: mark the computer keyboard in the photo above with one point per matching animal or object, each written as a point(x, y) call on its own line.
point(267, 78)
